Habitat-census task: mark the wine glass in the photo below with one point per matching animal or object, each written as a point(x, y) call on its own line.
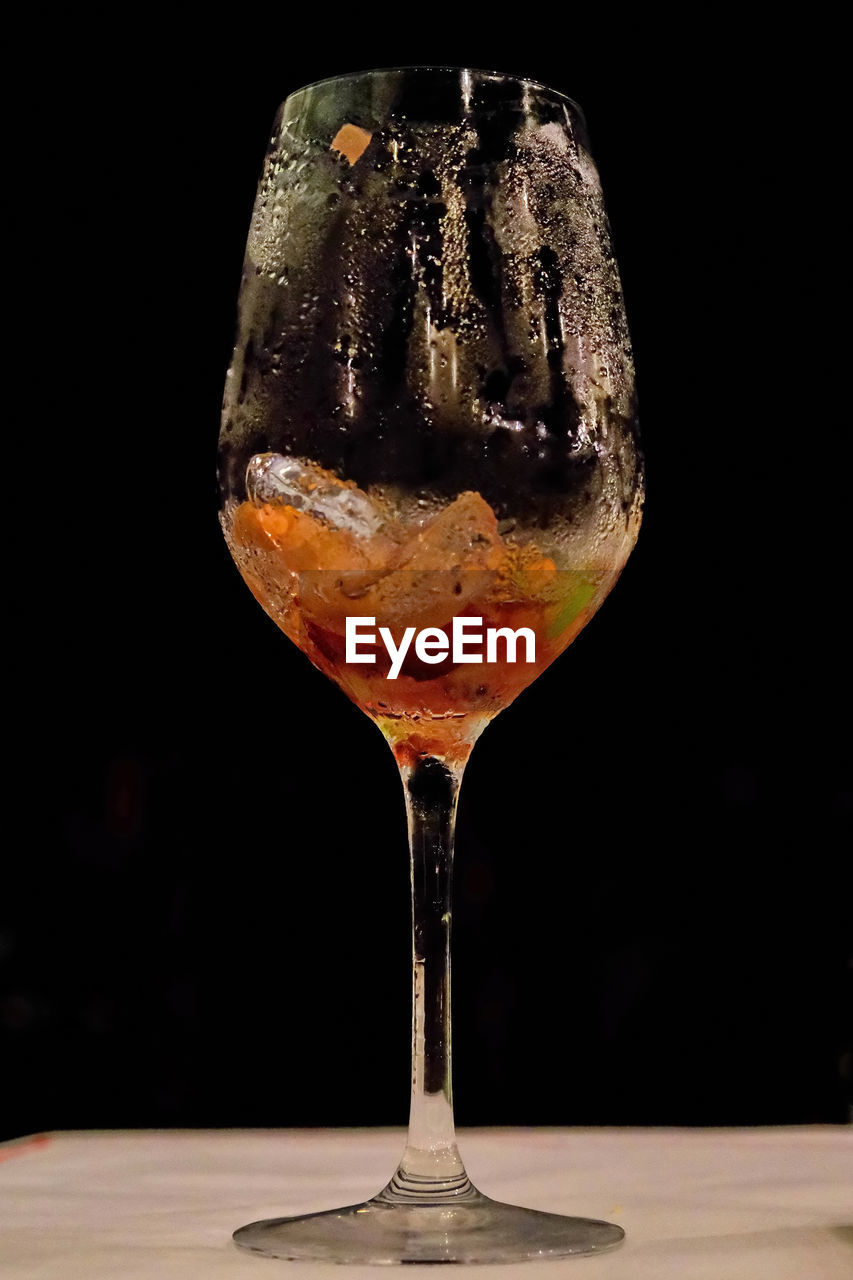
point(429, 431)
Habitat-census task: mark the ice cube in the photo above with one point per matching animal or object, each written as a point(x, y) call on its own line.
point(443, 567)
point(275, 479)
point(464, 536)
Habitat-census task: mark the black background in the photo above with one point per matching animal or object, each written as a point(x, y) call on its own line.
point(204, 911)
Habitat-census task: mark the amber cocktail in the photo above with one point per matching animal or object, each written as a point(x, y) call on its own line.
point(430, 480)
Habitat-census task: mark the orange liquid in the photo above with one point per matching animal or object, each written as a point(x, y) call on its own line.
point(310, 576)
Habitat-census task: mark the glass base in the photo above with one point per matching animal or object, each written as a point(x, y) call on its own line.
point(470, 1228)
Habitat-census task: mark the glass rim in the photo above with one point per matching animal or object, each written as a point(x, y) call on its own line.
point(431, 66)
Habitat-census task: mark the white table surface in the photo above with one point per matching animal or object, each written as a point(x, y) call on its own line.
point(748, 1204)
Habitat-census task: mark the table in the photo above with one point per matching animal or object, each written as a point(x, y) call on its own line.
point(698, 1204)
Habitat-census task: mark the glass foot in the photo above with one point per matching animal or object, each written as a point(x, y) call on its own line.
point(468, 1228)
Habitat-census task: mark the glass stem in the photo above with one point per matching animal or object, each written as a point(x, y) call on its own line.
point(431, 1169)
